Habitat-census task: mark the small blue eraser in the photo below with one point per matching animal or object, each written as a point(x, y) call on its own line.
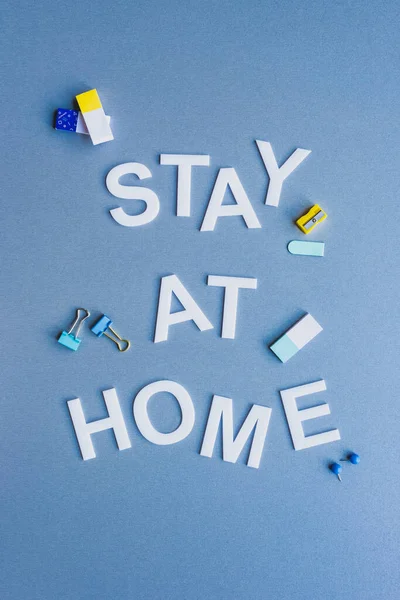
point(66, 120)
point(69, 341)
point(102, 324)
point(284, 348)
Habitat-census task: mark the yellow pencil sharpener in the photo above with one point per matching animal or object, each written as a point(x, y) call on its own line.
point(311, 219)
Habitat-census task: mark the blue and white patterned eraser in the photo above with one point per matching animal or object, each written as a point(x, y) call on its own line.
point(66, 119)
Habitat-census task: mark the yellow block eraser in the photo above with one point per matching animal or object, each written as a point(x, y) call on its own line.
point(311, 219)
point(88, 101)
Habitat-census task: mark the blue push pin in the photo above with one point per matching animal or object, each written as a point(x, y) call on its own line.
point(67, 338)
point(336, 469)
point(353, 458)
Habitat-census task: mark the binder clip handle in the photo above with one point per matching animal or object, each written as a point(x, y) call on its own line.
point(77, 318)
point(118, 340)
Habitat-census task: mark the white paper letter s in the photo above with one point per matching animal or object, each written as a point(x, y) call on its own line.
point(129, 192)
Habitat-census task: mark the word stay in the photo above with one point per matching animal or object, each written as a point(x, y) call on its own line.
point(227, 177)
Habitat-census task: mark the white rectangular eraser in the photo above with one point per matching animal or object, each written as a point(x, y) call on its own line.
point(81, 127)
point(296, 338)
point(304, 331)
point(94, 117)
point(98, 127)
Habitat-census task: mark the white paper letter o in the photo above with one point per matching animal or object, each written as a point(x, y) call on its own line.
point(142, 417)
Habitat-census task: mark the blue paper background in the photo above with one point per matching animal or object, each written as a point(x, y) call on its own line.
point(158, 523)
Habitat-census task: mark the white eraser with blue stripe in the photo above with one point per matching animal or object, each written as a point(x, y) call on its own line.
point(296, 338)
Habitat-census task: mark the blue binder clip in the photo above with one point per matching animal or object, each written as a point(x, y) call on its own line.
point(102, 326)
point(67, 338)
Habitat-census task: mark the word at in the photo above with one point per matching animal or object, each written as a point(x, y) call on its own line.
point(191, 310)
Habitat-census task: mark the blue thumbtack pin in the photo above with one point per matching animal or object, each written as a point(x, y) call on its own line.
point(67, 338)
point(102, 326)
point(336, 469)
point(352, 457)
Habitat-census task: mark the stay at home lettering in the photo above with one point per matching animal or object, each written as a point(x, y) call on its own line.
point(221, 414)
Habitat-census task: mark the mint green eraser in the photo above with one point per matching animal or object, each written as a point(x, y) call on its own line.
point(284, 348)
point(306, 248)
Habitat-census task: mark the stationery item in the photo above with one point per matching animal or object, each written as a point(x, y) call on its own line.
point(67, 338)
point(296, 338)
point(102, 326)
point(353, 458)
point(72, 120)
point(311, 219)
point(66, 119)
point(306, 248)
point(336, 469)
point(81, 127)
point(94, 117)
